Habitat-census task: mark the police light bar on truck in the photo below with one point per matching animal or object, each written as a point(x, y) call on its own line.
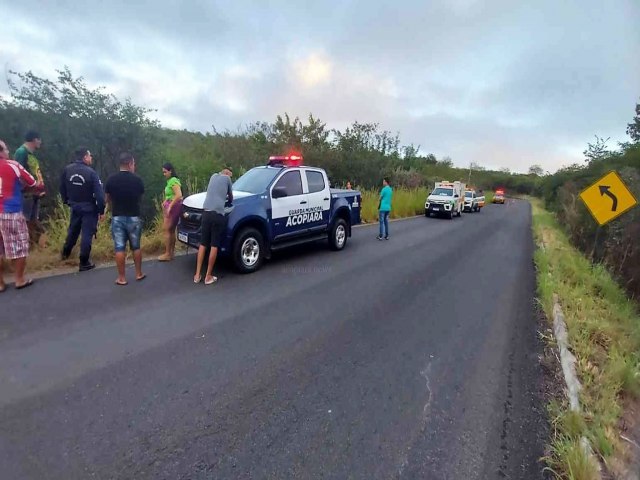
point(285, 160)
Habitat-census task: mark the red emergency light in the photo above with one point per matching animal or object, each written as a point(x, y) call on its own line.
point(286, 160)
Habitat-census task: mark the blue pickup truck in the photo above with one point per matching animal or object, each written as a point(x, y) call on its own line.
point(276, 206)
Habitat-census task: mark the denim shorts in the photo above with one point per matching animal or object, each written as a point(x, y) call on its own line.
point(125, 229)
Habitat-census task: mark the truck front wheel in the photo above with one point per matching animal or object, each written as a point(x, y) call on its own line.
point(248, 250)
point(338, 235)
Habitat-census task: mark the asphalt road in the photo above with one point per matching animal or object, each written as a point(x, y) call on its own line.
point(414, 358)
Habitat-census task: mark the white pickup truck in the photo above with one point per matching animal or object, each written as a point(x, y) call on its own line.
point(447, 199)
point(472, 201)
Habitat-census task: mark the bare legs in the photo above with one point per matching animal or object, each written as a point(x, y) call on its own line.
point(209, 278)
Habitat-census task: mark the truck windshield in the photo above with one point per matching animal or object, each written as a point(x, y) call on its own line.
point(256, 180)
point(468, 194)
point(445, 192)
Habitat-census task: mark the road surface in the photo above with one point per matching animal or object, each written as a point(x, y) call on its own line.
point(411, 358)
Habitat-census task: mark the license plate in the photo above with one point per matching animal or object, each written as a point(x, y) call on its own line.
point(436, 208)
point(183, 237)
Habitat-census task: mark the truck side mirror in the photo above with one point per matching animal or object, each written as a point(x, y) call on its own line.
point(279, 192)
point(457, 196)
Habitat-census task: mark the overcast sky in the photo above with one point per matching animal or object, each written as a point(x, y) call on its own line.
point(502, 83)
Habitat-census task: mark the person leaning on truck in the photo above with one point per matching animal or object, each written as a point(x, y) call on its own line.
point(213, 222)
point(384, 209)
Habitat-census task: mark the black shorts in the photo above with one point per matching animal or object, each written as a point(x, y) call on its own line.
point(213, 226)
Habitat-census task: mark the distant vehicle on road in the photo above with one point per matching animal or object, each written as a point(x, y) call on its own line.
point(498, 196)
point(472, 201)
point(447, 198)
point(276, 206)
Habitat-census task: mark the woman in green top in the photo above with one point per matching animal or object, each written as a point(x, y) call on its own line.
point(171, 208)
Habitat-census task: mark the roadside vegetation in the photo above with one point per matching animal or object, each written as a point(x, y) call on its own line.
point(595, 271)
point(604, 335)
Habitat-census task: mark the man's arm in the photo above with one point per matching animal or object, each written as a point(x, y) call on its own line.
point(63, 186)
point(230, 191)
point(98, 192)
point(25, 177)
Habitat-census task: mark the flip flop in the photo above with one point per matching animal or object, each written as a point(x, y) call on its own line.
point(209, 282)
point(121, 284)
point(26, 284)
point(198, 280)
point(144, 275)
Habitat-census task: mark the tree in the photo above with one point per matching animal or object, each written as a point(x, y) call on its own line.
point(68, 113)
point(596, 151)
point(633, 129)
point(446, 162)
point(536, 170)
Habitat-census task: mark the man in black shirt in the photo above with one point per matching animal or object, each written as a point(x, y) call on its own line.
point(124, 191)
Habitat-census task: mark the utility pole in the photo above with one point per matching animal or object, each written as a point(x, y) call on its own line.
point(469, 182)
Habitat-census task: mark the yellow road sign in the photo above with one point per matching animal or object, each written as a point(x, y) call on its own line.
point(608, 198)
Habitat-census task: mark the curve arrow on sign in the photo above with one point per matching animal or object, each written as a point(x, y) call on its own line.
point(604, 190)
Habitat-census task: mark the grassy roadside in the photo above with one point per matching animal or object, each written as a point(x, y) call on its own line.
point(604, 335)
point(46, 256)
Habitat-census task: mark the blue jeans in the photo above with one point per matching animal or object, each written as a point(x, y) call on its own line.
point(126, 228)
point(384, 223)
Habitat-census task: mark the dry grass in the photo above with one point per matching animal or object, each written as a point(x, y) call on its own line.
point(46, 255)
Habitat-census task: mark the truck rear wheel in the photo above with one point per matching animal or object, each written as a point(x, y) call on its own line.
point(248, 250)
point(338, 235)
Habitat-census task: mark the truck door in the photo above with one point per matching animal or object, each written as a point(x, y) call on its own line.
point(319, 198)
point(288, 201)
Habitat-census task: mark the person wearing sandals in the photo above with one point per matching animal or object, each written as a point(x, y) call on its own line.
point(14, 234)
point(171, 208)
point(123, 193)
point(214, 222)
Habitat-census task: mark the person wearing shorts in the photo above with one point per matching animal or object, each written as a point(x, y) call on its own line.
point(214, 222)
point(124, 191)
point(14, 233)
point(171, 208)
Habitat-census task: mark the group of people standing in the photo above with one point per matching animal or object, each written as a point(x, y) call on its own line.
point(22, 188)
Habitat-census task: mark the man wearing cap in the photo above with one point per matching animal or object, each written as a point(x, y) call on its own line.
point(81, 189)
point(25, 155)
point(14, 235)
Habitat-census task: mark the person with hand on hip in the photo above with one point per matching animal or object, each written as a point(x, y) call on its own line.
point(171, 208)
point(384, 208)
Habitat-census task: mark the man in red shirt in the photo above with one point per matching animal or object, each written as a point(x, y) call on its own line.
point(14, 235)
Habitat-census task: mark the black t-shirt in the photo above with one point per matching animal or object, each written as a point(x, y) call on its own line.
point(125, 190)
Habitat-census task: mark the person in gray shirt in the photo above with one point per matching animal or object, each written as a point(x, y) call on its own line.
point(213, 222)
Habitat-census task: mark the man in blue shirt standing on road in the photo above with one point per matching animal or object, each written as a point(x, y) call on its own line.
point(384, 209)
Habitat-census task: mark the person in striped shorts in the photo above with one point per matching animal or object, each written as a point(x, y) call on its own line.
point(14, 234)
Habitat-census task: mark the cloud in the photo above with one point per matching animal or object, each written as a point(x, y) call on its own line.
point(495, 82)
